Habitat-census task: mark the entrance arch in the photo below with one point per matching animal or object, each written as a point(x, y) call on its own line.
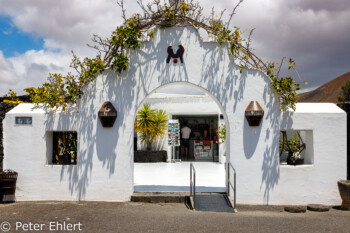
point(201, 89)
point(174, 177)
point(253, 151)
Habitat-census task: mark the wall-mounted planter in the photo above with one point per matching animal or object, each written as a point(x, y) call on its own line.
point(254, 113)
point(107, 114)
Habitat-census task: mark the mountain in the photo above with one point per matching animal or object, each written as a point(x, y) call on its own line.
point(328, 92)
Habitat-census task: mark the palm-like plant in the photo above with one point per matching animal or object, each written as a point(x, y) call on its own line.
point(150, 124)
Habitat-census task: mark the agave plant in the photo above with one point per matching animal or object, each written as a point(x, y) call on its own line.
point(150, 124)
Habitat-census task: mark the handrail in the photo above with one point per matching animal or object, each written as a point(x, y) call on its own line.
point(193, 186)
point(229, 184)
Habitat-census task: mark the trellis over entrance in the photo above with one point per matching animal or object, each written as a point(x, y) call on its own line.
point(104, 169)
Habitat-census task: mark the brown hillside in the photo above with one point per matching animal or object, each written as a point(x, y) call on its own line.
point(328, 92)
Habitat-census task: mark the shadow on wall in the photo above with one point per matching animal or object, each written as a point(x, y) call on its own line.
point(93, 139)
point(150, 59)
point(222, 87)
point(251, 136)
point(270, 164)
point(138, 83)
point(224, 83)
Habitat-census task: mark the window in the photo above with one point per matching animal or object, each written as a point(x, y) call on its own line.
point(23, 120)
point(296, 147)
point(62, 148)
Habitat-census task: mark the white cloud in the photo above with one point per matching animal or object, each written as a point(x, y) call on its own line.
point(64, 26)
point(68, 22)
point(316, 33)
point(6, 75)
point(30, 69)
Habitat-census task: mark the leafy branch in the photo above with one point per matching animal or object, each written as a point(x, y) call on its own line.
point(111, 52)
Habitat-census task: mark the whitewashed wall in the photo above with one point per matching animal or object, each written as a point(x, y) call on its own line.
point(316, 183)
point(105, 156)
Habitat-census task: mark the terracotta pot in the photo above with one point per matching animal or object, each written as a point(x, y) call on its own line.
point(344, 190)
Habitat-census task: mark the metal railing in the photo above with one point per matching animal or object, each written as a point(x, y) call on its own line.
point(229, 183)
point(193, 186)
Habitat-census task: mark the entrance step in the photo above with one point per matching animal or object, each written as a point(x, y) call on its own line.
point(160, 197)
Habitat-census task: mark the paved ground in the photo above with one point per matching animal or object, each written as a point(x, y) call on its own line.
point(140, 217)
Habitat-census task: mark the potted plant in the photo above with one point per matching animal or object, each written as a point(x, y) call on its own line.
point(72, 145)
point(66, 151)
point(293, 147)
point(149, 125)
point(221, 134)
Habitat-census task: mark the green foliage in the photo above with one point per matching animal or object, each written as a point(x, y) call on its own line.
point(87, 69)
point(286, 88)
point(293, 144)
point(127, 35)
point(150, 33)
point(121, 63)
point(58, 91)
point(12, 95)
point(160, 122)
point(221, 134)
point(62, 90)
point(150, 124)
point(184, 8)
point(169, 13)
point(67, 146)
point(345, 93)
point(224, 35)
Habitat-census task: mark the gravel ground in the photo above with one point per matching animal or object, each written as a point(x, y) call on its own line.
point(141, 217)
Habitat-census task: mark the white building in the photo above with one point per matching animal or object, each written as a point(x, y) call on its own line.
point(105, 167)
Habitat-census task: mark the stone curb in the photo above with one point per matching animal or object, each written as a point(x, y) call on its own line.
point(318, 208)
point(295, 209)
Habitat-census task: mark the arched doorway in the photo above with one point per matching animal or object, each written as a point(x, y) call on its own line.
point(253, 151)
point(200, 111)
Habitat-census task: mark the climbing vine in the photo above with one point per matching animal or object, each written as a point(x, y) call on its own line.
point(61, 90)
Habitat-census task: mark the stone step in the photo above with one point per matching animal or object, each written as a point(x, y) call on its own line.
point(159, 197)
point(163, 197)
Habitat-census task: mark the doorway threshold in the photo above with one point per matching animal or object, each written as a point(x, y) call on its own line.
point(175, 177)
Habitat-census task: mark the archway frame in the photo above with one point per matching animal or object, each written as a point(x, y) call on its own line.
point(203, 90)
point(207, 66)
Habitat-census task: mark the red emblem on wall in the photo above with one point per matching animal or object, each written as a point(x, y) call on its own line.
point(179, 54)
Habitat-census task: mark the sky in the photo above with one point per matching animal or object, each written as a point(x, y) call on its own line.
point(37, 36)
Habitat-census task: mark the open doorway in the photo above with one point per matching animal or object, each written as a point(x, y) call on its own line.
point(198, 111)
point(201, 143)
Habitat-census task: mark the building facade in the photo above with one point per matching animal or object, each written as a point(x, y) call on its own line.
point(104, 169)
